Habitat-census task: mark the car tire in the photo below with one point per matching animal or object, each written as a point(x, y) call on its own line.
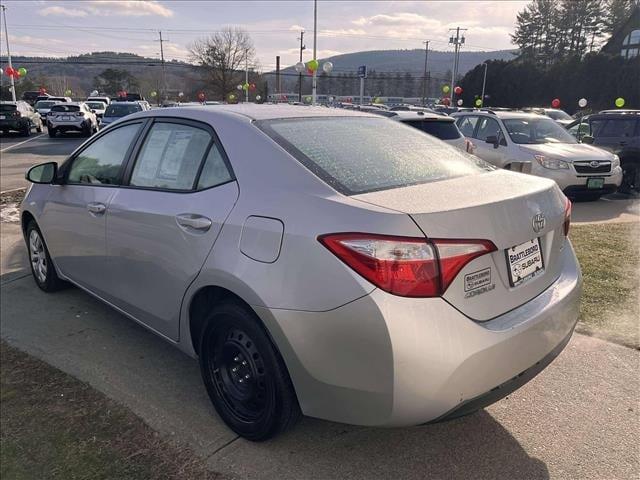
point(630, 180)
point(52, 132)
point(26, 130)
point(245, 375)
point(42, 269)
point(39, 128)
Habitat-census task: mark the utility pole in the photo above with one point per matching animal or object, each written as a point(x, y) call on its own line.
point(424, 74)
point(457, 41)
point(315, 38)
point(6, 32)
point(302, 47)
point(163, 94)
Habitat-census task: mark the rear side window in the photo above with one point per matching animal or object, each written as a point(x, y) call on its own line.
point(170, 157)
point(467, 125)
point(215, 171)
point(65, 108)
point(8, 107)
point(444, 130)
point(100, 162)
point(361, 154)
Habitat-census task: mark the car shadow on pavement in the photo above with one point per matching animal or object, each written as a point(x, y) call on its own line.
point(613, 208)
point(81, 336)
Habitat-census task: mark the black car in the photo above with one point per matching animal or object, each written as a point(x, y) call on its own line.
point(19, 116)
point(31, 96)
point(619, 132)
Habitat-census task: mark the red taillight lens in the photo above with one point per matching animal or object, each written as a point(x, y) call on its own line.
point(16, 113)
point(405, 266)
point(567, 217)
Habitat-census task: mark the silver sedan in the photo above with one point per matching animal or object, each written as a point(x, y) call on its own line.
point(323, 262)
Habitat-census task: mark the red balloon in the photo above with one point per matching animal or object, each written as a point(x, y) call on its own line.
point(42, 90)
point(201, 96)
point(16, 73)
point(446, 101)
point(9, 72)
point(457, 90)
point(252, 86)
point(555, 103)
point(309, 71)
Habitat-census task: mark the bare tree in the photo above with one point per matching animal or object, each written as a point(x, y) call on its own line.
point(222, 56)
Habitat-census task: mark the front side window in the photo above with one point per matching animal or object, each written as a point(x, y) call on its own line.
point(536, 130)
point(170, 157)
point(618, 127)
point(488, 127)
point(363, 154)
point(100, 162)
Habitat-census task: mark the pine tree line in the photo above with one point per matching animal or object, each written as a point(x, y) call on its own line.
point(549, 31)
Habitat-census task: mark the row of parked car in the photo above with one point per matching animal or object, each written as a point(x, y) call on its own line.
point(589, 157)
point(61, 114)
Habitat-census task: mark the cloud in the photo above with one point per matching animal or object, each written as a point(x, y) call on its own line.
point(110, 8)
point(62, 12)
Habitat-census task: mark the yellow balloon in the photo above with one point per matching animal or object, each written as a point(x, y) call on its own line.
point(619, 102)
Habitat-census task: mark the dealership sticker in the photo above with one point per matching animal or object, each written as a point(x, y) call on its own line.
point(479, 282)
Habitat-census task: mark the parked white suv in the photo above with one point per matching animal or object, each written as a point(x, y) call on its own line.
point(536, 144)
point(71, 117)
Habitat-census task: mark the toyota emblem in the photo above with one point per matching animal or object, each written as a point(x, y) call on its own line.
point(538, 222)
point(594, 164)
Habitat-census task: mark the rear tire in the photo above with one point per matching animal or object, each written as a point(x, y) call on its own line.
point(42, 269)
point(52, 132)
point(26, 130)
point(244, 374)
point(39, 128)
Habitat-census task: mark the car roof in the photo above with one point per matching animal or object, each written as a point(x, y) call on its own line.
point(69, 103)
point(503, 115)
point(413, 115)
point(261, 112)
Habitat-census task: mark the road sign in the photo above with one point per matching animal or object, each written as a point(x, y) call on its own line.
point(362, 71)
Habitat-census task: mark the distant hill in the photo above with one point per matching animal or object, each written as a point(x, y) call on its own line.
point(411, 60)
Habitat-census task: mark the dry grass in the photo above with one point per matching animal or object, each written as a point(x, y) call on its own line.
point(56, 427)
point(609, 255)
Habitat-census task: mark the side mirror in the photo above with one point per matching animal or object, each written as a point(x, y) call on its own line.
point(43, 173)
point(587, 139)
point(494, 140)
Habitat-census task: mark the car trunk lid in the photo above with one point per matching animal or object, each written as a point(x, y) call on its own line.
point(510, 210)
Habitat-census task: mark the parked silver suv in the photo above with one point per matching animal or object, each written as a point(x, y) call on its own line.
point(536, 144)
point(71, 117)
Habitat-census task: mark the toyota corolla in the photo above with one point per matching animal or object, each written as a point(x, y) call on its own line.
point(322, 262)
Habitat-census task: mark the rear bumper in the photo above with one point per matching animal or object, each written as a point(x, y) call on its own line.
point(68, 126)
point(392, 361)
point(12, 124)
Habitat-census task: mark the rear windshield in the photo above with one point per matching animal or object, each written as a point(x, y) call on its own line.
point(65, 108)
point(558, 115)
point(8, 107)
point(122, 109)
point(45, 104)
point(443, 130)
point(96, 105)
point(361, 154)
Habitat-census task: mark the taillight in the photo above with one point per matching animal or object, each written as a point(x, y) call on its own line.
point(405, 266)
point(16, 113)
point(567, 217)
point(80, 114)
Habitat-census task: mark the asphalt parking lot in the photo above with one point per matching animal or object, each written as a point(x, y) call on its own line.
point(577, 419)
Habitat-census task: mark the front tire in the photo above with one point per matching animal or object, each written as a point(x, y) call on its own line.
point(42, 269)
point(244, 374)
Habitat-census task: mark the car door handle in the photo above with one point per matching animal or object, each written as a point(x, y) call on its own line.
point(96, 208)
point(193, 221)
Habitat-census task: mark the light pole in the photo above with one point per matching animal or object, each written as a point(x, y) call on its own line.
point(315, 38)
point(6, 32)
point(302, 47)
point(246, 75)
point(484, 83)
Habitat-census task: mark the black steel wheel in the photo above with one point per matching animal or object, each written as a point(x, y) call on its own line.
point(244, 374)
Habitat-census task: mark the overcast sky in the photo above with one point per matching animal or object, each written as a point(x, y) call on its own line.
point(62, 28)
